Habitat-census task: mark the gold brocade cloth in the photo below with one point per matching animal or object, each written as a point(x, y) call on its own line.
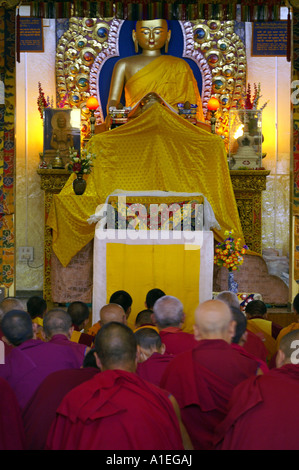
point(156, 151)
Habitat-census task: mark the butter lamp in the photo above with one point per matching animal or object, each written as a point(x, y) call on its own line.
point(92, 104)
point(213, 105)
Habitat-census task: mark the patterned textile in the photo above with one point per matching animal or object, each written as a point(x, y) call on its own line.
point(223, 10)
point(7, 146)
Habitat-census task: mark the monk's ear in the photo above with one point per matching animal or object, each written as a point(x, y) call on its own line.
point(162, 349)
point(196, 332)
point(232, 329)
point(153, 319)
point(98, 361)
point(280, 358)
point(5, 340)
point(71, 331)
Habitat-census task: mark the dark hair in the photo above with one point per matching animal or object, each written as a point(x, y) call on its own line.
point(148, 338)
point(256, 307)
point(89, 359)
point(296, 303)
point(241, 324)
point(17, 326)
point(115, 344)
point(56, 321)
point(36, 306)
point(78, 311)
point(144, 317)
point(152, 296)
point(122, 298)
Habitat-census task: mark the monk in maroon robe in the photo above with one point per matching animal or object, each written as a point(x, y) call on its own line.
point(31, 360)
point(263, 411)
point(202, 380)
point(151, 354)
point(58, 329)
point(116, 409)
point(240, 337)
point(168, 314)
point(40, 411)
point(12, 436)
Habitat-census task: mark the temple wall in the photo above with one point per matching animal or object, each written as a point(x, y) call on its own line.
point(274, 75)
point(33, 67)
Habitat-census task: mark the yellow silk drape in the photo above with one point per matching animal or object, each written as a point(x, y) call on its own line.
point(158, 150)
point(172, 268)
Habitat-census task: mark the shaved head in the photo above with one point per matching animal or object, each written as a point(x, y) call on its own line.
point(112, 312)
point(214, 320)
point(116, 347)
point(288, 349)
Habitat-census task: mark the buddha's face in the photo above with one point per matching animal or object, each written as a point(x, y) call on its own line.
point(151, 34)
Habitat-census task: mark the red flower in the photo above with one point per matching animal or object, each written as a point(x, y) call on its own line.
point(77, 167)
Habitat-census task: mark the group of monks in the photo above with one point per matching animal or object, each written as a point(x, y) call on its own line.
point(64, 386)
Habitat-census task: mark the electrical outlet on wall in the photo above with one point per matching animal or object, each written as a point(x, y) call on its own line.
point(26, 253)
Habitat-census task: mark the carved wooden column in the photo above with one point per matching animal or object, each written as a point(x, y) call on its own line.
point(52, 182)
point(248, 186)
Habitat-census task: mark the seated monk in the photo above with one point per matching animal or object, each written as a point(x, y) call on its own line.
point(151, 355)
point(203, 379)
point(169, 77)
point(263, 411)
point(116, 409)
point(12, 434)
point(169, 317)
point(108, 313)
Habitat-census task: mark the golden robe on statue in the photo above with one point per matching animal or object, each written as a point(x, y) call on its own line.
point(169, 77)
point(158, 150)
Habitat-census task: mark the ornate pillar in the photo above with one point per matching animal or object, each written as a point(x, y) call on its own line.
point(52, 182)
point(248, 186)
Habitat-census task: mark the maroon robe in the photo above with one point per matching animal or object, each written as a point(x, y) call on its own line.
point(40, 411)
point(30, 363)
point(255, 346)
point(262, 364)
point(176, 340)
point(153, 368)
point(12, 435)
point(263, 413)
point(202, 381)
point(115, 410)
point(78, 349)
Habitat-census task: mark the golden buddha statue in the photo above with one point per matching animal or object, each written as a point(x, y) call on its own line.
point(151, 72)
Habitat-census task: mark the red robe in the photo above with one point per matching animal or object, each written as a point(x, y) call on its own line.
point(202, 381)
point(115, 410)
point(28, 364)
point(255, 346)
point(41, 409)
point(12, 435)
point(262, 364)
point(263, 413)
point(176, 340)
point(153, 368)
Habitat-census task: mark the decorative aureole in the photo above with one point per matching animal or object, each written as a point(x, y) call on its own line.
point(89, 43)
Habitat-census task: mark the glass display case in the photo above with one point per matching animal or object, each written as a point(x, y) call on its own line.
point(245, 139)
